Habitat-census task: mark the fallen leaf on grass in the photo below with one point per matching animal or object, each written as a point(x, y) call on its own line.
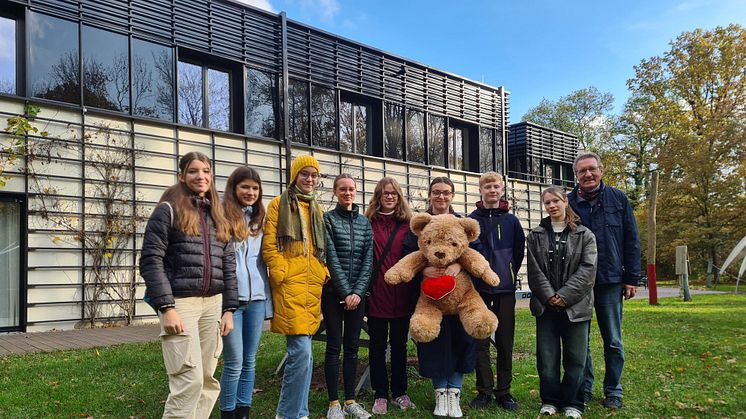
point(731, 361)
point(534, 393)
point(657, 394)
point(710, 401)
point(680, 405)
point(679, 369)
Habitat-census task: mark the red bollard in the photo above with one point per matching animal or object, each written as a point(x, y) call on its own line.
point(652, 288)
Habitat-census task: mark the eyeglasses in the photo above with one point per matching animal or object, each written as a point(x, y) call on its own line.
point(306, 175)
point(389, 194)
point(444, 194)
point(591, 170)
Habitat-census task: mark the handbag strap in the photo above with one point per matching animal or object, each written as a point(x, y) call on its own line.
point(386, 250)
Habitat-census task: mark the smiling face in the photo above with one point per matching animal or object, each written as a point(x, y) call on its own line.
point(441, 196)
point(589, 173)
point(306, 179)
point(491, 193)
point(345, 191)
point(197, 177)
point(555, 206)
point(247, 192)
point(389, 198)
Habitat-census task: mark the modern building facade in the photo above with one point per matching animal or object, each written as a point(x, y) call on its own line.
point(123, 88)
point(541, 154)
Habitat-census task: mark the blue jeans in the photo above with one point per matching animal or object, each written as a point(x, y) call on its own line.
point(561, 342)
point(609, 300)
point(296, 381)
point(239, 356)
point(456, 380)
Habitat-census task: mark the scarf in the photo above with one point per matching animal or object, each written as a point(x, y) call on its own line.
point(291, 227)
point(591, 195)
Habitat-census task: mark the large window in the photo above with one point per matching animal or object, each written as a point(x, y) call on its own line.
point(7, 55)
point(261, 103)
point(485, 150)
point(204, 96)
point(53, 59)
point(354, 127)
point(436, 126)
point(393, 129)
point(106, 70)
point(298, 99)
point(152, 80)
point(415, 136)
point(324, 117)
point(11, 219)
point(457, 137)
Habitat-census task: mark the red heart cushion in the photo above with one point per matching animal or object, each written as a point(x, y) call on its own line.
point(437, 288)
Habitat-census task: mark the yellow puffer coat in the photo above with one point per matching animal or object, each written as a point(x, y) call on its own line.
point(296, 281)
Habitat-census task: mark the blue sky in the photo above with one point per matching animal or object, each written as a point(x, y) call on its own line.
point(536, 49)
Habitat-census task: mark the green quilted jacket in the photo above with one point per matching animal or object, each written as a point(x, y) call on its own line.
point(349, 239)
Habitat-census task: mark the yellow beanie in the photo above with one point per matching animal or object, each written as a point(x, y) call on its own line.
point(300, 162)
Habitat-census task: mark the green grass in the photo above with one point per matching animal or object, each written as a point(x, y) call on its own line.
point(683, 360)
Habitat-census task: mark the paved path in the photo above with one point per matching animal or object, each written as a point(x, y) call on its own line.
point(25, 343)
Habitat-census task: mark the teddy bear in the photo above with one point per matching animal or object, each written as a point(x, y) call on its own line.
point(443, 240)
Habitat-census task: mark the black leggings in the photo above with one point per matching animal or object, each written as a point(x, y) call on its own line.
point(393, 331)
point(342, 326)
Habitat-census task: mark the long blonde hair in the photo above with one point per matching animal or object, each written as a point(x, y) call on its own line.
point(180, 196)
point(402, 212)
point(571, 218)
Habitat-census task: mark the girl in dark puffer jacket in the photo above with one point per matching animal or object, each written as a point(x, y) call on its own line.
point(189, 268)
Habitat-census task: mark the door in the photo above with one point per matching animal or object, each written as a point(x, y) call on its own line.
point(12, 274)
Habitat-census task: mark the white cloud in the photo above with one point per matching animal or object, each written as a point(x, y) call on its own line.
point(261, 4)
point(328, 9)
point(7, 39)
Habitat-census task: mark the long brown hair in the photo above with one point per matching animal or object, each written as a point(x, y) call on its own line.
point(232, 205)
point(435, 181)
point(571, 218)
point(180, 196)
point(402, 212)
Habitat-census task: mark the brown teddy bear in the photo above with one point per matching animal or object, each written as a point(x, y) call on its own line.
point(443, 240)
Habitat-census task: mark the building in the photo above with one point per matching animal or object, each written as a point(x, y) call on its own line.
point(541, 154)
point(142, 82)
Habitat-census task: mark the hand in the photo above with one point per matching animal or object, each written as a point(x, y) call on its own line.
point(433, 272)
point(453, 269)
point(226, 323)
point(629, 291)
point(172, 323)
point(352, 301)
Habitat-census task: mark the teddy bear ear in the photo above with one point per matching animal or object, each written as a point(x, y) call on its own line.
point(471, 227)
point(419, 221)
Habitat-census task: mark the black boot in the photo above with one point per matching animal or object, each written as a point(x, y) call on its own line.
point(227, 414)
point(242, 412)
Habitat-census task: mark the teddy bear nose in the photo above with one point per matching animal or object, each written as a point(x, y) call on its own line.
point(440, 255)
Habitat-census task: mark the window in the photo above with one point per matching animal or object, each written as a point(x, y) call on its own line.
point(298, 104)
point(210, 107)
point(436, 126)
point(415, 136)
point(7, 56)
point(11, 219)
point(393, 125)
point(324, 117)
point(261, 103)
point(486, 157)
point(106, 70)
point(457, 137)
point(152, 80)
point(354, 127)
point(53, 58)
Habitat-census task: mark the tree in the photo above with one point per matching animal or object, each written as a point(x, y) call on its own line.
point(694, 107)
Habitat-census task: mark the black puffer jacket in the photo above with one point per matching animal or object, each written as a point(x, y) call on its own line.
point(349, 247)
point(173, 264)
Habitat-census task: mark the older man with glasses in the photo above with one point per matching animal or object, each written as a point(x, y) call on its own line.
point(607, 212)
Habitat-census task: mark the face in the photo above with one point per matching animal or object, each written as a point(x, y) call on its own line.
point(306, 180)
point(555, 206)
point(441, 196)
point(247, 192)
point(197, 177)
point(389, 198)
point(491, 192)
point(588, 173)
point(345, 192)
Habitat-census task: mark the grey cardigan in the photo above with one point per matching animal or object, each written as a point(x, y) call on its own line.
point(579, 271)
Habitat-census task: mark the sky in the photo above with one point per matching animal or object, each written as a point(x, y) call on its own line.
point(535, 48)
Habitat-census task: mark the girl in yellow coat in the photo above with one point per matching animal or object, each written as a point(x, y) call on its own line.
point(294, 249)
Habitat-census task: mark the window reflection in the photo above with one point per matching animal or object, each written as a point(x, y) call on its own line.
point(7, 55)
point(393, 131)
point(54, 69)
point(298, 104)
point(457, 137)
point(485, 149)
point(152, 80)
point(190, 94)
point(324, 117)
point(218, 100)
point(436, 140)
point(261, 103)
point(354, 127)
point(105, 70)
point(416, 136)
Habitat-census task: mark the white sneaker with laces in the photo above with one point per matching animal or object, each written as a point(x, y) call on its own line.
point(454, 403)
point(548, 409)
point(441, 403)
point(355, 410)
point(572, 412)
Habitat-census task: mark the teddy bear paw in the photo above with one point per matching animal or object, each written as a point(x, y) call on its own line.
point(491, 278)
point(393, 277)
point(424, 334)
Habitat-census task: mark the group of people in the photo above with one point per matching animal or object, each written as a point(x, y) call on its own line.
point(216, 270)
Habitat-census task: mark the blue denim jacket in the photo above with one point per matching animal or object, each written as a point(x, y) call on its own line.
point(612, 221)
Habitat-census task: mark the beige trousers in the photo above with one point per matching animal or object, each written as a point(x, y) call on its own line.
point(191, 357)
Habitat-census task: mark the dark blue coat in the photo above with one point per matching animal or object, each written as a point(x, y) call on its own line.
point(612, 221)
point(503, 247)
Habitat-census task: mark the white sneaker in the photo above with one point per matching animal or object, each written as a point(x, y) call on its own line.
point(441, 403)
point(454, 403)
point(572, 412)
point(548, 410)
point(335, 412)
point(356, 411)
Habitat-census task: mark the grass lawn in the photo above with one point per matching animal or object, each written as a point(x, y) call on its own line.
point(683, 360)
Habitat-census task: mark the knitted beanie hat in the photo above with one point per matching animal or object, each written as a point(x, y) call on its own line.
point(302, 161)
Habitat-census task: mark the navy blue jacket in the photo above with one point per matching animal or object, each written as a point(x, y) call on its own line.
point(612, 221)
point(504, 247)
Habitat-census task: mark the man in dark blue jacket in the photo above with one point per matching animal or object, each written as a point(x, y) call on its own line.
point(502, 243)
point(607, 212)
